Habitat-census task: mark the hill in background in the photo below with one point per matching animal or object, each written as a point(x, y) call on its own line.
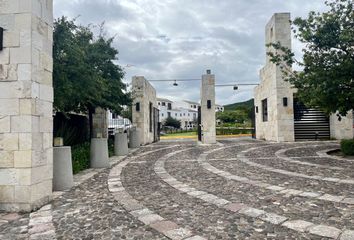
point(241, 105)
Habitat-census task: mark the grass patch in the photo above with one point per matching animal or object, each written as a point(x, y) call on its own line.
point(347, 147)
point(183, 134)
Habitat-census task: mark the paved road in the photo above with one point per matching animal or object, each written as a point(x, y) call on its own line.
point(237, 189)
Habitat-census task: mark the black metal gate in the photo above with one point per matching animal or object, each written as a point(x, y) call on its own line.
point(253, 122)
point(199, 123)
point(309, 123)
point(157, 124)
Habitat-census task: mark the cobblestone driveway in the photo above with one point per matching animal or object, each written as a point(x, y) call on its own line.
point(237, 189)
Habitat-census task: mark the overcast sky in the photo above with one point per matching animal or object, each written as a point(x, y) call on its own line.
point(169, 39)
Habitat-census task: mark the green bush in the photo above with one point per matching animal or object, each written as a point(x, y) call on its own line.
point(347, 147)
point(80, 157)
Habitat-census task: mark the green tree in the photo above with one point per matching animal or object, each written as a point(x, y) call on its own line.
point(85, 76)
point(327, 78)
point(237, 116)
point(172, 122)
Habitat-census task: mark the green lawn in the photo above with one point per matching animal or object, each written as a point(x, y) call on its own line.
point(184, 134)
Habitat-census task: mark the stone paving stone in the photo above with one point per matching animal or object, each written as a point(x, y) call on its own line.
point(298, 225)
point(164, 226)
point(347, 235)
point(178, 234)
point(195, 238)
point(273, 218)
point(150, 218)
point(325, 231)
point(235, 207)
point(331, 198)
point(310, 194)
point(348, 200)
point(252, 212)
point(10, 217)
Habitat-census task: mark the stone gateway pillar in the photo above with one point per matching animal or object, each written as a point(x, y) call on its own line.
point(208, 109)
point(26, 96)
point(144, 102)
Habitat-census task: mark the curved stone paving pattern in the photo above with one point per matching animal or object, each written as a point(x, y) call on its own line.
point(277, 219)
point(178, 190)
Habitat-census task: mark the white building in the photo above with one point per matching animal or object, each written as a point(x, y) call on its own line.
point(184, 111)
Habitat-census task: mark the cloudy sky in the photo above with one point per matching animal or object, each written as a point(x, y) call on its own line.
point(173, 39)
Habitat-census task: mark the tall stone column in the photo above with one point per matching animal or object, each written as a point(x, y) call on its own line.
point(208, 109)
point(26, 96)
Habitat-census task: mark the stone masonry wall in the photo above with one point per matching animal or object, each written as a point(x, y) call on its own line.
point(280, 124)
point(144, 94)
point(26, 96)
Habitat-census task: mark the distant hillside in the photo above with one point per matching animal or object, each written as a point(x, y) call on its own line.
point(248, 104)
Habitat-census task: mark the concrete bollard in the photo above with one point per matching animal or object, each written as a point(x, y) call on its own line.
point(99, 153)
point(134, 138)
point(121, 144)
point(62, 169)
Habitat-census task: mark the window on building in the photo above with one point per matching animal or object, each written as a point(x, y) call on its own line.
point(195, 106)
point(184, 114)
point(168, 114)
point(114, 115)
point(159, 103)
point(191, 106)
point(194, 115)
point(175, 114)
point(180, 114)
point(189, 115)
point(162, 114)
point(265, 110)
point(163, 104)
point(169, 106)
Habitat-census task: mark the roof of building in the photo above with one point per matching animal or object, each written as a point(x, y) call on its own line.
point(164, 100)
point(190, 102)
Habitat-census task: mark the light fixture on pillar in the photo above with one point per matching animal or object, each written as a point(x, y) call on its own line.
point(175, 83)
point(235, 88)
point(285, 101)
point(1, 38)
point(209, 104)
point(208, 71)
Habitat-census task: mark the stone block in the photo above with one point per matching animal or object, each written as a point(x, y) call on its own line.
point(4, 123)
point(9, 141)
point(4, 57)
point(8, 176)
point(41, 190)
point(27, 106)
point(7, 193)
point(9, 107)
point(46, 93)
point(22, 194)
point(46, 124)
point(7, 21)
point(23, 159)
point(9, 6)
point(23, 21)
point(25, 141)
point(8, 72)
point(42, 173)
point(20, 55)
point(47, 140)
point(21, 124)
point(24, 71)
point(23, 176)
point(26, 38)
point(7, 159)
point(11, 39)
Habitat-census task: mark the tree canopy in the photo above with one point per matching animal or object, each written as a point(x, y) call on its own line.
point(172, 122)
point(327, 77)
point(85, 75)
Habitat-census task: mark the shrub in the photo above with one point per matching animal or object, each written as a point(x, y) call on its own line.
point(347, 146)
point(80, 157)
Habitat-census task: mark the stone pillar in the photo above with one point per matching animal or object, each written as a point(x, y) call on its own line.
point(100, 123)
point(274, 119)
point(144, 102)
point(26, 96)
point(208, 109)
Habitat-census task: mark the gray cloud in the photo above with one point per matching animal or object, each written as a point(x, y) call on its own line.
point(182, 38)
